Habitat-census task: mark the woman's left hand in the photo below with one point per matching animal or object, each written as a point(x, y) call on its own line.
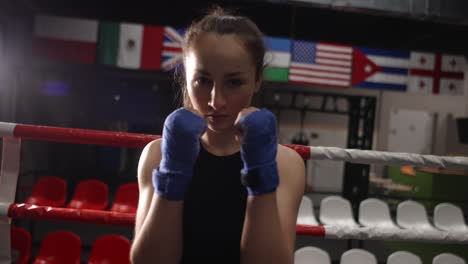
point(258, 138)
point(244, 112)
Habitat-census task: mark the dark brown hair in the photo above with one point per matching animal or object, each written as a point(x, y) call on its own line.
point(222, 22)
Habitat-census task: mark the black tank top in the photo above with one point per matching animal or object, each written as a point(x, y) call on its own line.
point(214, 210)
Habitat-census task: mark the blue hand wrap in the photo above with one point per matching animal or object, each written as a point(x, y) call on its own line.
point(180, 147)
point(258, 152)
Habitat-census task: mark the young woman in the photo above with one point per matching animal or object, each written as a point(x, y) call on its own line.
point(217, 187)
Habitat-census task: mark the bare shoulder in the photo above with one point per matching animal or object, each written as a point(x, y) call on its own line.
point(290, 190)
point(149, 159)
point(286, 152)
point(291, 166)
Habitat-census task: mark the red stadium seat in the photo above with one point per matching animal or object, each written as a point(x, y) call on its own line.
point(49, 191)
point(21, 243)
point(90, 194)
point(59, 247)
point(126, 198)
point(113, 249)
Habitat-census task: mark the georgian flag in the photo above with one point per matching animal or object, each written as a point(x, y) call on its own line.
point(436, 73)
point(421, 80)
point(455, 64)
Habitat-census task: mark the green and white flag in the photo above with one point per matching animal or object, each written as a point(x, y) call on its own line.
point(131, 46)
point(277, 59)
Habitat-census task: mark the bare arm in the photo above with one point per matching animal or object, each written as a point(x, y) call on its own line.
point(158, 228)
point(270, 223)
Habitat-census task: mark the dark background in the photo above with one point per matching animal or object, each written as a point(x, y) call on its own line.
point(295, 21)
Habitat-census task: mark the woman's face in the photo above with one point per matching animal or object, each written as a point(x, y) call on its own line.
point(220, 77)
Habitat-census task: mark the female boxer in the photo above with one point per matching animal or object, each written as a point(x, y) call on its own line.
point(217, 187)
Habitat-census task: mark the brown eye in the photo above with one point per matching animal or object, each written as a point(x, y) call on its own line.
point(234, 83)
point(202, 82)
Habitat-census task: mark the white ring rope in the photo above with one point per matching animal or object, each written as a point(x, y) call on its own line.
point(388, 158)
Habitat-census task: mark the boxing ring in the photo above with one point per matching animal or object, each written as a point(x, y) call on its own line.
point(345, 228)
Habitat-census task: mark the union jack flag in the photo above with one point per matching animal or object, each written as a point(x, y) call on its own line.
point(172, 48)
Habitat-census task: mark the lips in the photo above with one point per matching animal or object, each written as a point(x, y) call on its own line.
point(217, 117)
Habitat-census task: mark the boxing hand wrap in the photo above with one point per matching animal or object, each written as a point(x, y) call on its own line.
point(258, 152)
point(179, 149)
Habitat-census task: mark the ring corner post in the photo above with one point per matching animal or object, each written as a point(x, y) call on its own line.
point(9, 173)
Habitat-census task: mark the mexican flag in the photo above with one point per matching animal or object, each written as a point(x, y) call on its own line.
point(277, 59)
point(131, 46)
point(66, 39)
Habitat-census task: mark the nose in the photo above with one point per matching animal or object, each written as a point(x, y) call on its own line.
point(217, 98)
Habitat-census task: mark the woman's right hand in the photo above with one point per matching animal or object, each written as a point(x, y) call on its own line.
point(179, 149)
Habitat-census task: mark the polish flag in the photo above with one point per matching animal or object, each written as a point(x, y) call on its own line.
point(66, 39)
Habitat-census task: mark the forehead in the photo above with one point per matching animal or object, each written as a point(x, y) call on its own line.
point(214, 52)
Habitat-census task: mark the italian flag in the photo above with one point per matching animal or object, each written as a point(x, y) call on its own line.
point(66, 39)
point(277, 59)
point(131, 46)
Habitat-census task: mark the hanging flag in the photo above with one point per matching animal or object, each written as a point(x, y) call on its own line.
point(436, 73)
point(321, 64)
point(277, 59)
point(455, 84)
point(131, 46)
point(152, 45)
point(130, 43)
point(422, 65)
point(66, 39)
point(383, 69)
point(108, 43)
point(172, 48)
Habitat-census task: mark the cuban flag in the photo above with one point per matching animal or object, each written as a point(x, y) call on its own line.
point(385, 69)
point(172, 48)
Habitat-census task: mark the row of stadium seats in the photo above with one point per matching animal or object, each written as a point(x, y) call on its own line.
point(336, 210)
point(65, 247)
point(309, 255)
point(88, 194)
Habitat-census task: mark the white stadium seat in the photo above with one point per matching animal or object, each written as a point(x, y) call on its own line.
point(411, 214)
point(336, 210)
point(375, 213)
point(358, 256)
point(449, 217)
point(306, 214)
point(403, 257)
point(309, 255)
point(448, 258)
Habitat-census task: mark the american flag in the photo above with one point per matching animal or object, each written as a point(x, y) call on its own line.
point(172, 48)
point(321, 64)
